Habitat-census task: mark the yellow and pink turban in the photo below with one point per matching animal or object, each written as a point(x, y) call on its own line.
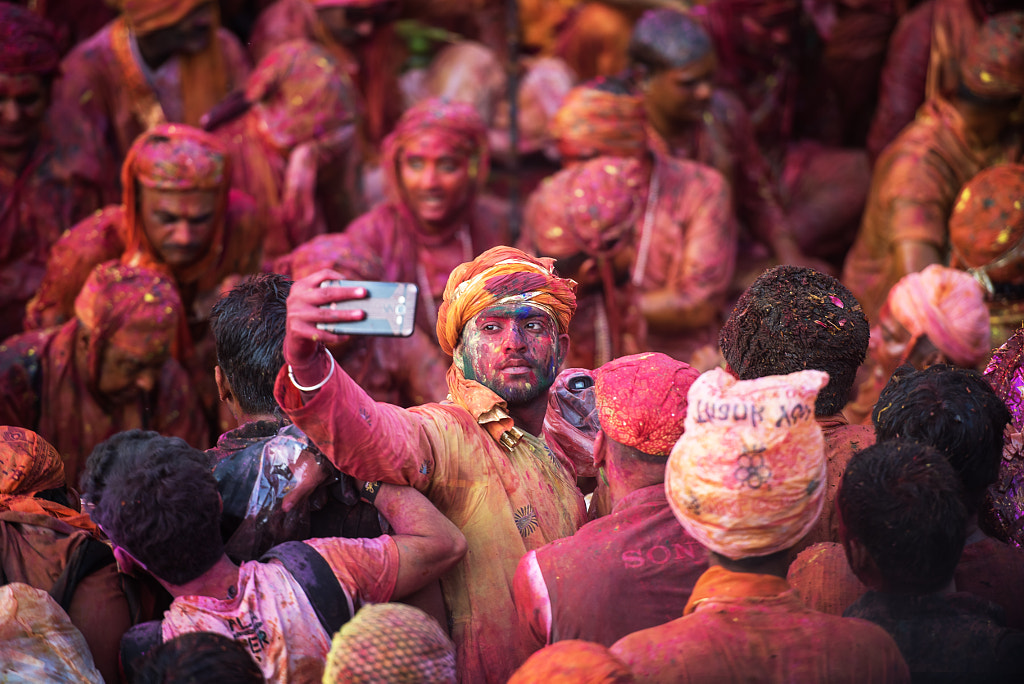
point(747, 478)
point(641, 400)
point(986, 228)
point(390, 642)
point(948, 306)
point(592, 122)
point(591, 208)
point(147, 16)
point(458, 124)
point(502, 275)
point(573, 662)
point(174, 157)
point(994, 64)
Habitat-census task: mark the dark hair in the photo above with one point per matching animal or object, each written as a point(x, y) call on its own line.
point(248, 324)
point(901, 501)
point(667, 39)
point(118, 454)
point(792, 319)
point(953, 410)
point(160, 503)
point(199, 658)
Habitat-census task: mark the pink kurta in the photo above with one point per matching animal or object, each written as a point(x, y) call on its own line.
point(506, 502)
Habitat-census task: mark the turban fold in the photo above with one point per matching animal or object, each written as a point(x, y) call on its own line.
point(994, 64)
point(641, 400)
point(747, 478)
point(592, 122)
point(117, 297)
point(147, 16)
point(29, 465)
point(986, 228)
point(573, 662)
point(174, 157)
point(28, 44)
point(459, 126)
point(948, 306)
point(390, 642)
point(502, 275)
point(591, 208)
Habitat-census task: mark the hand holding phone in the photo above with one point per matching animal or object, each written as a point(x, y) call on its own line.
point(390, 309)
point(306, 311)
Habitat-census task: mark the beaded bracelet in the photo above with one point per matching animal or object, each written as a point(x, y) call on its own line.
point(312, 388)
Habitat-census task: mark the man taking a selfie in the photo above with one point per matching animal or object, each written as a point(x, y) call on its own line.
point(503, 319)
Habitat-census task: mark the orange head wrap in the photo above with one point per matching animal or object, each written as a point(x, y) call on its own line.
point(994, 64)
point(948, 306)
point(29, 465)
point(117, 296)
point(986, 228)
point(174, 157)
point(641, 400)
point(593, 121)
point(459, 125)
point(747, 478)
point(573, 662)
point(499, 276)
point(146, 16)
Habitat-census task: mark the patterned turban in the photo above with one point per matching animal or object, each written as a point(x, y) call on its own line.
point(459, 126)
point(641, 400)
point(175, 157)
point(948, 306)
point(28, 465)
point(117, 297)
point(994, 64)
point(306, 79)
point(147, 16)
point(986, 228)
point(390, 642)
point(502, 275)
point(573, 662)
point(593, 122)
point(669, 37)
point(28, 44)
point(591, 208)
point(747, 478)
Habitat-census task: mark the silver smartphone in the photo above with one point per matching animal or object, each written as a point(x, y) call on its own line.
point(390, 309)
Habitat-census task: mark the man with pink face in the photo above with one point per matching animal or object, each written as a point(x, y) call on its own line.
point(503, 319)
point(435, 164)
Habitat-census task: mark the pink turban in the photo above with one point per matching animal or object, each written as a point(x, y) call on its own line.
point(986, 228)
point(948, 306)
point(747, 478)
point(27, 42)
point(994, 64)
point(641, 400)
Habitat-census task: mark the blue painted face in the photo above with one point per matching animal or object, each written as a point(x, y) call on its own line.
point(514, 350)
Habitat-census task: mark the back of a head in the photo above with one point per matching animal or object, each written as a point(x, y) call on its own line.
point(112, 457)
point(390, 642)
point(953, 410)
point(199, 658)
point(901, 502)
point(600, 117)
point(573, 662)
point(248, 324)
point(159, 503)
point(667, 39)
point(793, 319)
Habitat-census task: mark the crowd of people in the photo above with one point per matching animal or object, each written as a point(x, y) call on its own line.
point(715, 371)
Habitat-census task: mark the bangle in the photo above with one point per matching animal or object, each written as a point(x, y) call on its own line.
point(313, 388)
point(368, 492)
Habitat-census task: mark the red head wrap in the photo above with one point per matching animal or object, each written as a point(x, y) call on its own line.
point(994, 64)
point(986, 228)
point(27, 42)
point(460, 126)
point(641, 400)
point(146, 16)
point(117, 296)
point(28, 465)
point(174, 157)
point(592, 122)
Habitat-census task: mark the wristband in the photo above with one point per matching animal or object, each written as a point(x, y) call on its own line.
point(313, 388)
point(368, 492)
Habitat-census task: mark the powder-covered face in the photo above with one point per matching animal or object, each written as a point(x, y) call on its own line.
point(435, 178)
point(683, 94)
point(179, 223)
point(23, 102)
point(515, 350)
point(126, 369)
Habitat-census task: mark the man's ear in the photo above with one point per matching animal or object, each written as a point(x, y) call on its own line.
point(223, 386)
point(563, 349)
point(863, 564)
point(599, 449)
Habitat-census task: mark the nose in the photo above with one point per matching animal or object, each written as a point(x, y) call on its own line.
point(364, 28)
point(146, 380)
point(515, 338)
point(9, 111)
point(703, 91)
point(181, 232)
